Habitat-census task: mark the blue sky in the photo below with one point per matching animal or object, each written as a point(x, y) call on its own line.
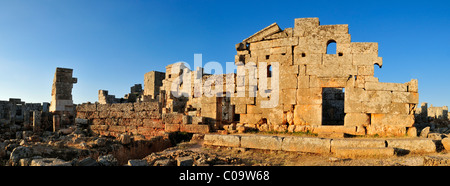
point(111, 44)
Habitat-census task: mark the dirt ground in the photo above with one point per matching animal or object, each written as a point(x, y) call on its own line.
point(253, 157)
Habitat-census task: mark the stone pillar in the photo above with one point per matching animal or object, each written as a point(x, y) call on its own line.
point(56, 120)
point(36, 121)
point(62, 90)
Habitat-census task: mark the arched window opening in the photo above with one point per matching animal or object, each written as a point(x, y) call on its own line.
point(331, 47)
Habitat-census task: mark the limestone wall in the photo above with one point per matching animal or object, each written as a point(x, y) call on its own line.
point(142, 118)
point(306, 70)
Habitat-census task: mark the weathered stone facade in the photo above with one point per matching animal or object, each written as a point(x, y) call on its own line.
point(310, 78)
point(318, 91)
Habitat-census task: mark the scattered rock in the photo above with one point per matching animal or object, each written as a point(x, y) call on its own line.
point(185, 161)
point(20, 152)
point(137, 163)
point(164, 162)
point(125, 139)
point(424, 132)
point(88, 162)
point(446, 143)
point(107, 160)
point(49, 162)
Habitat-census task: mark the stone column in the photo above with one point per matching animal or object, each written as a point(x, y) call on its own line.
point(56, 120)
point(36, 121)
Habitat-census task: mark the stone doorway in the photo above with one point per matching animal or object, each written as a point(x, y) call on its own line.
point(333, 106)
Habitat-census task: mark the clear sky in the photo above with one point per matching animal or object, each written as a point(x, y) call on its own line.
point(111, 44)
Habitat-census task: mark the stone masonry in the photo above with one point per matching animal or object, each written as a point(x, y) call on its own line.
point(306, 71)
point(62, 91)
point(318, 91)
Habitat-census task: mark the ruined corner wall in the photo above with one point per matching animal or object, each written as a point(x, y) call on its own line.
point(62, 91)
point(143, 118)
point(306, 70)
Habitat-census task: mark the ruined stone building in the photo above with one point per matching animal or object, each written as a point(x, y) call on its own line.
point(318, 91)
point(33, 116)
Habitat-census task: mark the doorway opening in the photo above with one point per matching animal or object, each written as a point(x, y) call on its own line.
point(333, 106)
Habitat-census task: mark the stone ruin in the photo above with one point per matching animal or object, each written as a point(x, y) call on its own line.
point(319, 92)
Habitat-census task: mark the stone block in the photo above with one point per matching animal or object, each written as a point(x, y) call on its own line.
point(222, 140)
point(185, 161)
point(336, 59)
point(356, 119)
point(288, 96)
point(366, 70)
point(305, 25)
point(240, 109)
point(172, 118)
point(196, 120)
point(364, 48)
point(288, 81)
point(401, 120)
point(355, 152)
point(172, 127)
point(364, 59)
point(201, 129)
point(413, 86)
point(446, 143)
point(386, 130)
point(261, 142)
point(153, 123)
point(405, 97)
point(137, 163)
point(308, 115)
point(250, 118)
point(334, 129)
point(306, 144)
point(254, 109)
point(379, 86)
point(357, 143)
point(412, 145)
point(309, 96)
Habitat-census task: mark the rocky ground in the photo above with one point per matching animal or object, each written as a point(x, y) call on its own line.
point(76, 146)
point(192, 153)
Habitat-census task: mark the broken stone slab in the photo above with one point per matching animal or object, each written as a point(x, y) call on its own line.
point(357, 143)
point(87, 162)
point(108, 160)
point(185, 161)
point(164, 162)
point(262, 142)
point(222, 140)
point(355, 152)
point(424, 132)
point(446, 143)
point(49, 162)
point(20, 152)
point(438, 160)
point(137, 163)
point(306, 144)
point(412, 145)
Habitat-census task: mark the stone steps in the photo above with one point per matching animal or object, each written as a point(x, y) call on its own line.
point(357, 152)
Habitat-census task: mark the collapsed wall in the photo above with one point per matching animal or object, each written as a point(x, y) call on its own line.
point(123, 118)
point(137, 119)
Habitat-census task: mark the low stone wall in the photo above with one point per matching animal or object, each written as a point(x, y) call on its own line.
point(142, 118)
point(319, 145)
